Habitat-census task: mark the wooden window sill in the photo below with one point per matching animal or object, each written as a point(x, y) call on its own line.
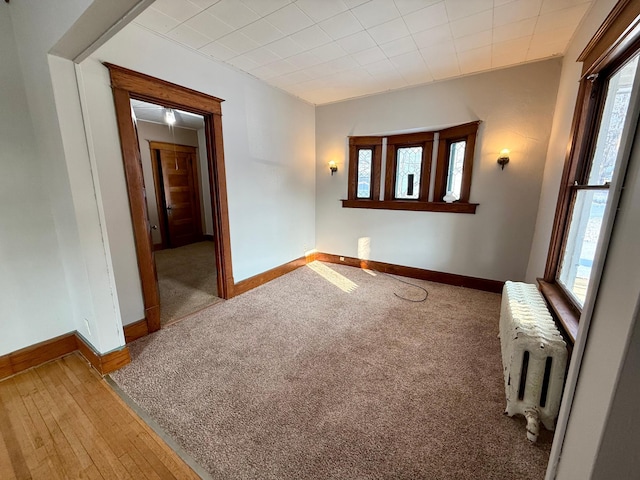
point(563, 309)
point(455, 207)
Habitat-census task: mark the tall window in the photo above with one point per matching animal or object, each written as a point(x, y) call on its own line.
point(365, 158)
point(602, 131)
point(408, 166)
point(365, 161)
point(590, 191)
point(455, 162)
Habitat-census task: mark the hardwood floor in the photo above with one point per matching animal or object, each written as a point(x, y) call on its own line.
point(61, 420)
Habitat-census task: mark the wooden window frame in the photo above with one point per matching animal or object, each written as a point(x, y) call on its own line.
point(467, 133)
point(615, 42)
point(355, 145)
point(424, 140)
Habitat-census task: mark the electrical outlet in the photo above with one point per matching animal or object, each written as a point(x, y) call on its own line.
point(86, 323)
point(342, 259)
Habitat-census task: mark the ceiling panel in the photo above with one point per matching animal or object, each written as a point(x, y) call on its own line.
point(330, 50)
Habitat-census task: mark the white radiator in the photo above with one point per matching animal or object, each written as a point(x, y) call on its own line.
point(534, 357)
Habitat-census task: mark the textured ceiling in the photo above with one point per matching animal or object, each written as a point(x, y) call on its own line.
point(330, 50)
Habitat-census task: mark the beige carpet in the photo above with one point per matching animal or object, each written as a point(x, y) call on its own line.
point(324, 374)
point(187, 279)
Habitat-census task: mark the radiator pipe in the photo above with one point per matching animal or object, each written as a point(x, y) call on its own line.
point(533, 424)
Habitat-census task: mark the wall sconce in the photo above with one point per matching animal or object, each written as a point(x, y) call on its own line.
point(503, 159)
point(333, 167)
point(169, 116)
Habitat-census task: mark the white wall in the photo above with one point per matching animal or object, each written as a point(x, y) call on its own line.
point(68, 185)
point(516, 108)
point(269, 148)
point(34, 303)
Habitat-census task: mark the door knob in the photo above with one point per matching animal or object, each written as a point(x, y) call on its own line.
point(169, 207)
point(154, 227)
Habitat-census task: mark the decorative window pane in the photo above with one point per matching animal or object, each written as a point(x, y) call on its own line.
point(580, 249)
point(408, 172)
point(456, 165)
point(364, 173)
point(615, 111)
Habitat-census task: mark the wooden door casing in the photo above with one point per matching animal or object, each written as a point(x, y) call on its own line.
point(127, 84)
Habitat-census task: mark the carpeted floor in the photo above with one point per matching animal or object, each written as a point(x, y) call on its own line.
point(324, 373)
point(186, 279)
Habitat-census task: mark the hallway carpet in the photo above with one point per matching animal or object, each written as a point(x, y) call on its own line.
point(186, 279)
point(324, 373)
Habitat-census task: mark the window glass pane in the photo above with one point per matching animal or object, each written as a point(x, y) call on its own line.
point(456, 164)
point(615, 111)
point(584, 230)
point(408, 171)
point(364, 173)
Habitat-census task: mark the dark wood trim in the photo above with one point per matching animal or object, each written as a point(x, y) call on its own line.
point(158, 184)
point(156, 90)
point(219, 206)
point(616, 32)
point(468, 133)
point(137, 202)
point(208, 238)
point(126, 85)
point(419, 273)
point(365, 141)
point(421, 139)
point(575, 149)
point(34, 355)
point(106, 362)
point(174, 147)
point(413, 205)
point(264, 277)
point(135, 330)
point(355, 145)
point(564, 311)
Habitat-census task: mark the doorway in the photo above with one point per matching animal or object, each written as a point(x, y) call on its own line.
point(127, 86)
point(176, 176)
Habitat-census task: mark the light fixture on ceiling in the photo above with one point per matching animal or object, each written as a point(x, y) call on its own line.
point(503, 159)
point(333, 167)
point(169, 116)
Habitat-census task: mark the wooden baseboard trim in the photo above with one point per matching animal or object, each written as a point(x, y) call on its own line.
point(103, 363)
point(413, 272)
point(207, 238)
point(264, 277)
point(34, 355)
point(43, 352)
point(135, 330)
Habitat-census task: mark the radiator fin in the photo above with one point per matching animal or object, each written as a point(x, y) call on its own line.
point(534, 356)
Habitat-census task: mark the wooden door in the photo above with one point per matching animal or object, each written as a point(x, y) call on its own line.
point(181, 200)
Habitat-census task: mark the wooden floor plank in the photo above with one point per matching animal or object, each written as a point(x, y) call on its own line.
point(19, 445)
point(61, 420)
point(6, 467)
point(92, 440)
point(61, 416)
